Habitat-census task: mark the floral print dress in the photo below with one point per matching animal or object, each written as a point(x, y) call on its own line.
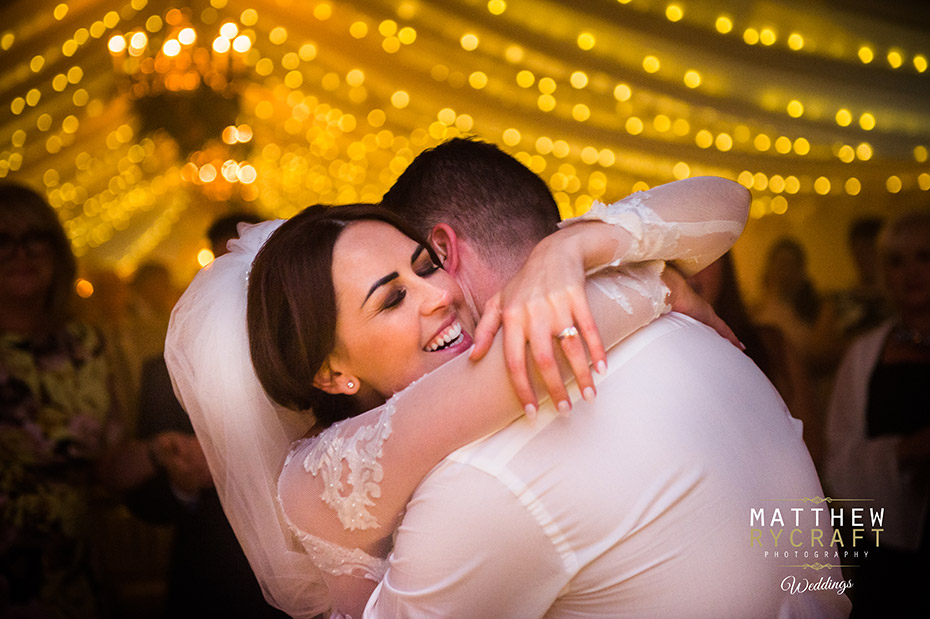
point(55, 403)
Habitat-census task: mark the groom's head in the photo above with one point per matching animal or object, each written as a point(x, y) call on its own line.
point(482, 209)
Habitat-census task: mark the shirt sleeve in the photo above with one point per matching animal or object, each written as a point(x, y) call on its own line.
point(447, 560)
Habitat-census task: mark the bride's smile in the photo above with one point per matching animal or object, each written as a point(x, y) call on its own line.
point(399, 315)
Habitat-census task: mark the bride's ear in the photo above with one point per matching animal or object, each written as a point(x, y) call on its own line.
point(445, 243)
point(331, 381)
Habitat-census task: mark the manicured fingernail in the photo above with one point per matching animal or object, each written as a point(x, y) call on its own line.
point(588, 394)
point(601, 368)
point(565, 406)
point(530, 411)
point(741, 346)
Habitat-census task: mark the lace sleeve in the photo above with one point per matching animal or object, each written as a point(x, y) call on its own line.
point(691, 222)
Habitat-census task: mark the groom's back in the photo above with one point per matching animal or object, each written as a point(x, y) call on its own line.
point(637, 504)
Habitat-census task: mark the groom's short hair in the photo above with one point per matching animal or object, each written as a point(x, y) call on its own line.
point(488, 197)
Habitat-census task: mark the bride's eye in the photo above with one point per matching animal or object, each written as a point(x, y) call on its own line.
point(427, 268)
point(394, 299)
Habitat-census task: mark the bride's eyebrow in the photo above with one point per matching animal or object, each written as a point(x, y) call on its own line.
point(416, 252)
point(390, 276)
point(419, 249)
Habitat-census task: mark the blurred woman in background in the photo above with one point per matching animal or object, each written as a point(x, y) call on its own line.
point(56, 411)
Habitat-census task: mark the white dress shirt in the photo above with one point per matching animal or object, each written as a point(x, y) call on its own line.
point(635, 505)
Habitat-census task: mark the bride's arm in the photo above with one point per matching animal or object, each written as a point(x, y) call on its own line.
point(689, 223)
point(381, 456)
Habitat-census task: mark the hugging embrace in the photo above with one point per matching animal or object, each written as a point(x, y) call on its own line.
point(381, 453)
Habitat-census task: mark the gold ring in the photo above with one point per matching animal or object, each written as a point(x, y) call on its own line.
point(571, 331)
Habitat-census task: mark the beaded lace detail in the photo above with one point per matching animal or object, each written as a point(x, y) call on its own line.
point(652, 236)
point(334, 450)
point(341, 561)
point(643, 279)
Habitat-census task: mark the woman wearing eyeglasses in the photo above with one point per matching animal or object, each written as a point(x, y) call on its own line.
point(55, 412)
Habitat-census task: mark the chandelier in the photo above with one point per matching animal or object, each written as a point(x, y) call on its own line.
point(189, 91)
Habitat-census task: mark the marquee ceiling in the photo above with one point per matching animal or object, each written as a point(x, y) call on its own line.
point(812, 104)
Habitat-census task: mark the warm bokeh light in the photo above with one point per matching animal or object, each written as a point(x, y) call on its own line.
point(329, 102)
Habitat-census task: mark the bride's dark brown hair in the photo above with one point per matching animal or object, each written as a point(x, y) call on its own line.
point(291, 311)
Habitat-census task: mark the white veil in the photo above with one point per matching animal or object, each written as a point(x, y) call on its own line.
point(244, 436)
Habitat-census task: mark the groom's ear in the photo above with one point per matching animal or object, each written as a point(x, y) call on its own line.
point(331, 381)
point(445, 243)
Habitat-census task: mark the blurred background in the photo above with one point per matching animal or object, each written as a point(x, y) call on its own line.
point(142, 121)
point(148, 128)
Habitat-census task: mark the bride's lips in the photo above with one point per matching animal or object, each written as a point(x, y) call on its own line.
point(451, 337)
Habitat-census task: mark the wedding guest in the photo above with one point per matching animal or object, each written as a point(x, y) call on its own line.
point(57, 411)
point(878, 429)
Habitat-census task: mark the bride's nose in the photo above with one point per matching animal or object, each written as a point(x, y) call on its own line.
point(435, 298)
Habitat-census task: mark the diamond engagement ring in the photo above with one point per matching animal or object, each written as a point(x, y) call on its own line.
point(571, 331)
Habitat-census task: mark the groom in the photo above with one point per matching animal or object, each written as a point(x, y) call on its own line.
point(656, 499)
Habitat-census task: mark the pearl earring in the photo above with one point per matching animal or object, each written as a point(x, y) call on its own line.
point(350, 385)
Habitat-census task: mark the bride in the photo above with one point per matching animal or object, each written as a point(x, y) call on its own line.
point(348, 311)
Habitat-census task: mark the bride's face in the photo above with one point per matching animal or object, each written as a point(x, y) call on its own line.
point(399, 315)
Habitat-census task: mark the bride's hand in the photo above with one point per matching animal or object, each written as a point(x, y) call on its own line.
point(685, 300)
point(545, 297)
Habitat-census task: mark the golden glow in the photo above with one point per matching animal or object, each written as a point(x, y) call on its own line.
point(662, 123)
point(116, 44)
point(511, 137)
point(83, 288)
point(751, 36)
point(525, 78)
point(469, 42)
point(893, 184)
point(920, 63)
point(634, 126)
point(822, 185)
point(762, 142)
point(704, 138)
point(358, 30)
point(866, 55)
point(843, 117)
point(581, 112)
point(852, 186)
point(795, 41)
point(622, 92)
point(681, 170)
point(545, 102)
point(767, 36)
point(923, 181)
point(478, 80)
point(783, 145)
point(187, 36)
point(497, 7)
point(205, 257)
point(802, 146)
point(864, 151)
point(674, 12)
point(920, 154)
point(867, 121)
point(229, 30)
point(547, 85)
point(692, 79)
point(723, 142)
point(846, 154)
point(724, 24)
point(171, 48)
point(400, 99)
point(651, 64)
point(895, 60)
point(779, 205)
point(795, 108)
point(579, 79)
point(776, 184)
point(586, 41)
